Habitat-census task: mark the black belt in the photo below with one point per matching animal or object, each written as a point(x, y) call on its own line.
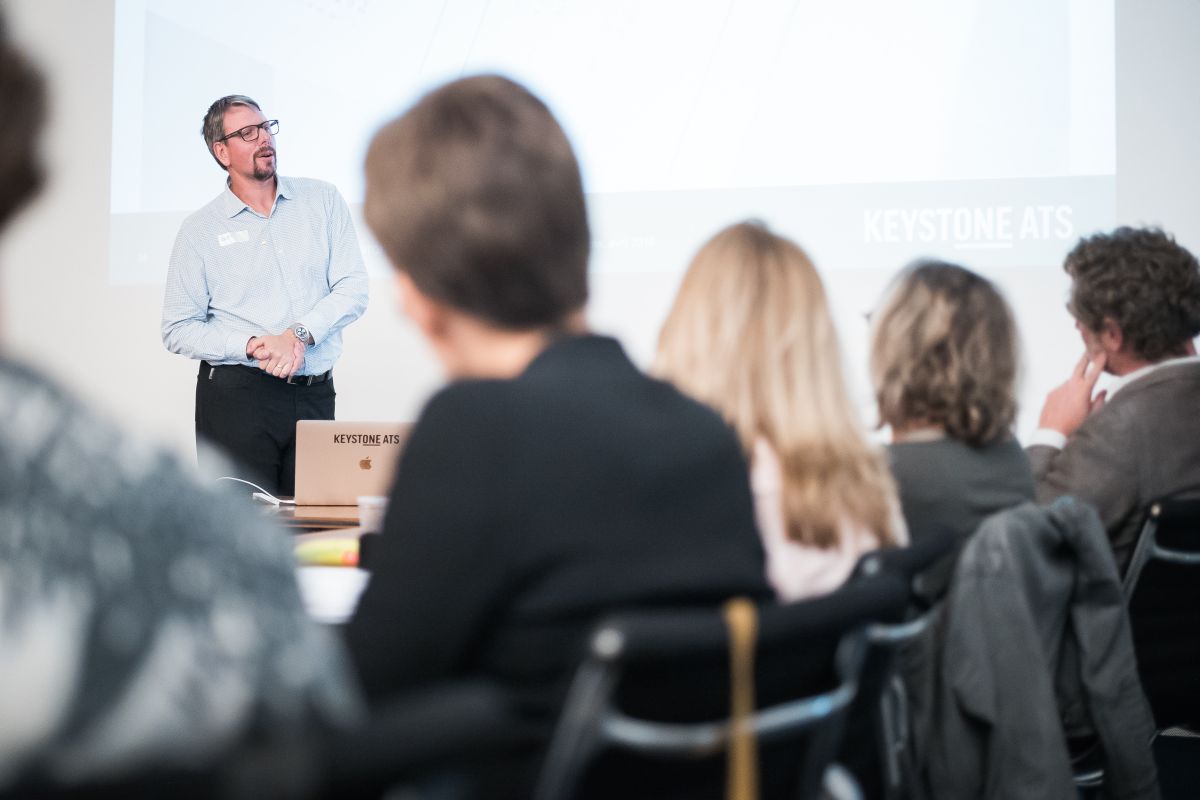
point(295, 380)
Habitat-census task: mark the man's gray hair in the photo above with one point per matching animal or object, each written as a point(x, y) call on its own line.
point(214, 121)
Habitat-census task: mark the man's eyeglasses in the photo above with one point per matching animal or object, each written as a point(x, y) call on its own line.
point(250, 132)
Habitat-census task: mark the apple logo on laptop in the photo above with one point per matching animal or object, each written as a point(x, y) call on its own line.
point(365, 463)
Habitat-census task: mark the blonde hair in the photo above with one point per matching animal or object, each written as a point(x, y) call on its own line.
point(944, 352)
point(751, 335)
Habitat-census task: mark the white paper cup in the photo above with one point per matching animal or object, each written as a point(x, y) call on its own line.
point(371, 510)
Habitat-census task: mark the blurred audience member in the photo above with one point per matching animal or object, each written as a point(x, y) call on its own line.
point(944, 367)
point(145, 621)
point(750, 334)
point(551, 481)
point(1135, 297)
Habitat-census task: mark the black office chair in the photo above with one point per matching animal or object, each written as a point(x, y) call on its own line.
point(1162, 589)
point(880, 712)
point(647, 714)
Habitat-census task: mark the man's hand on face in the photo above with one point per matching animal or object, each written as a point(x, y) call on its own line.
point(1068, 406)
point(281, 355)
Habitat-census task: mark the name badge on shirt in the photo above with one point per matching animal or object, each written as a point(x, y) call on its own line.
point(227, 238)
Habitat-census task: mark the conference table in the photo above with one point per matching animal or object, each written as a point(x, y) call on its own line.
point(326, 547)
point(313, 518)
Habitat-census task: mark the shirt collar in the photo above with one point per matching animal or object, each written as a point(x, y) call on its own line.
point(234, 204)
point(1120, 383)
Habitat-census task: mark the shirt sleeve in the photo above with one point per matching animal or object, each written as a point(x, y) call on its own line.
point(437, 575)
point(348, 285)
point(187, 327)
point(1048, 437)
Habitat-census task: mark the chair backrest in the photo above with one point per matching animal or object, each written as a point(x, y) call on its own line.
point(1162, 586)
point(912, 565)
point(654, 688)
point(880, 712)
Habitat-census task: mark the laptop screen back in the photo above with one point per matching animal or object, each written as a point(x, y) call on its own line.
point(337, 462)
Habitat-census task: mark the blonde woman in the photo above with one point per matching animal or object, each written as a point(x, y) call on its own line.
point(751, 335)
point(944, 367)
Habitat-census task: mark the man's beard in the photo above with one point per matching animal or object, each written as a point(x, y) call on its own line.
point(262, 172)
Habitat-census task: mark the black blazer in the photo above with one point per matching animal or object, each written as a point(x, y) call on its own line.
point(525, 509)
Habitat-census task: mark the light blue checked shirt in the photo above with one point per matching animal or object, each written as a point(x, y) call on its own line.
point(235, 274)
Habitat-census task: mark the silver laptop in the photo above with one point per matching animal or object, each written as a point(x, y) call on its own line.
point(336, 461)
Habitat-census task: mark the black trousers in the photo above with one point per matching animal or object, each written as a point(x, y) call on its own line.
point(249, 417)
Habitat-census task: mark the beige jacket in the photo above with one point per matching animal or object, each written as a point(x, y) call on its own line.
point(1144, 444)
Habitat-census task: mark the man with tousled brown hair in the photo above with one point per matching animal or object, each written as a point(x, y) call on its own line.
point(1135, 296)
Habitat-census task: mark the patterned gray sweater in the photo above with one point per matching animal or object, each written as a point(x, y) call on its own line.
point(145, 619)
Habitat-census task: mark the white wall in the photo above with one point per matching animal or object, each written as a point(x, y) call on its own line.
point(58, 311)
point(1158, 116)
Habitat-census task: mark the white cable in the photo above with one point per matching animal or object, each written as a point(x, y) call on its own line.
point(261, 494)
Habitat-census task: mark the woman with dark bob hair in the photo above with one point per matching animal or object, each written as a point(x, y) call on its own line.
point(944, 367)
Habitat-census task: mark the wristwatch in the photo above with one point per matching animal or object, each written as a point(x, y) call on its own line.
point(301, 333)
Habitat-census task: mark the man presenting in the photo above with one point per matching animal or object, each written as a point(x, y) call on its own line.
point(261, 282)
point(1135, 296)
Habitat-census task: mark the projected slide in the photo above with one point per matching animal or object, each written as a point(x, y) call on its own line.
point(870, 131)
